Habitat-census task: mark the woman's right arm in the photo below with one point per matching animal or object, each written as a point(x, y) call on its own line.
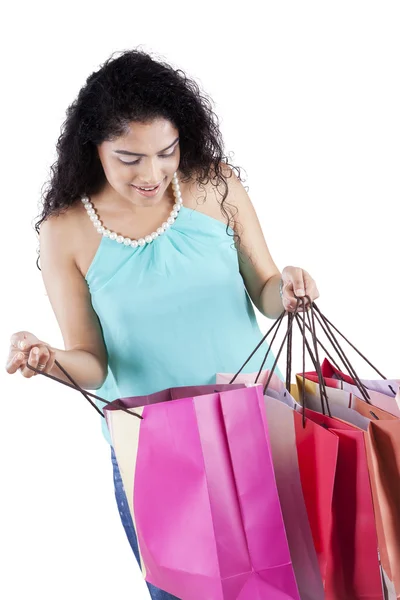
point(84, 357)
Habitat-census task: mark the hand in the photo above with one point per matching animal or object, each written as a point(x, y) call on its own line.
point(297, 282)
point(26, 347)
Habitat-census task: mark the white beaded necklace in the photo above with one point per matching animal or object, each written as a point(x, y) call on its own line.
point(148, 238)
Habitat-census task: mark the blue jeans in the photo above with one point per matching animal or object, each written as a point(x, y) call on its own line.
point(126, 518)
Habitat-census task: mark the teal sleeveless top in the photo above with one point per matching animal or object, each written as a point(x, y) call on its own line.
point(174, 312)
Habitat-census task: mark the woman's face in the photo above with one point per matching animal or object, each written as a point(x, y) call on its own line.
point(146, 156)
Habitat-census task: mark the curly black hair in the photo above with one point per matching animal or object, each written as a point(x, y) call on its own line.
point(135, 87)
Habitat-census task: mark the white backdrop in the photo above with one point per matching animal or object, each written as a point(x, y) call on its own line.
point(308, 94)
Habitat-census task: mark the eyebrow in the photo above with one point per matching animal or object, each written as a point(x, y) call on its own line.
point(138, 154)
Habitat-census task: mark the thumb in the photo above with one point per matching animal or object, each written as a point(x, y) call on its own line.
point(24, 340)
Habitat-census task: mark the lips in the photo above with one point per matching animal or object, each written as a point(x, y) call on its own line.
point(148, 193)
point(147, 189)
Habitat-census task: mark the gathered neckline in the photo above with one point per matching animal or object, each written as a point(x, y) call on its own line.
point(175, 225)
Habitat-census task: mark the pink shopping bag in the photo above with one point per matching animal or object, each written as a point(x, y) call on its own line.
point(199, 478)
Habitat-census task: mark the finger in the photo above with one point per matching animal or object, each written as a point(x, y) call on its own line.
point(288, 299)
point(299, 285)
point(16, 337)
point(305, 308)
point(43, 359)
point(14, 363)
point(295, 281)
point(288, 294)
point(311, 287)
point(33, 360)
point(23, 340)
point(290, 305)
point(292, 309)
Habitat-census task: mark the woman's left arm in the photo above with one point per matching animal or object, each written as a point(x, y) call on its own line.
point(261, 276)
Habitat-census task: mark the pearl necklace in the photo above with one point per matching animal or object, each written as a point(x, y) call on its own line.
point(148, 238)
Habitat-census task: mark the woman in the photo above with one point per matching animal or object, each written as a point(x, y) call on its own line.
point(151, 251)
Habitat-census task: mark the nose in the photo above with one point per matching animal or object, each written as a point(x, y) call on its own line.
point(151, 175)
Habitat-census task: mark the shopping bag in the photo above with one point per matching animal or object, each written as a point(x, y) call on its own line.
point(350, 547)
point(198, 474)
point(380, 394)
point(382, 441)
point(317, 450)
point(383, 450)
point(281, 417)
point(389, 387)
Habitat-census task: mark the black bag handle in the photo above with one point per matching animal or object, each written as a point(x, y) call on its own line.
point(277, 324)
point(329, 324)
point(316, 314)
point(74, 385)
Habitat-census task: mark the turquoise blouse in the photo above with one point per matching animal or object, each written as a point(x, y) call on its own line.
point(174, 312)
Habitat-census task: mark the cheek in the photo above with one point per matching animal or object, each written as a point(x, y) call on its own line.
point(117, 172)
point(169, 166)
point(176, 162)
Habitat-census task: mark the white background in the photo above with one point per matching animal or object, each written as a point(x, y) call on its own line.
point(308, 96)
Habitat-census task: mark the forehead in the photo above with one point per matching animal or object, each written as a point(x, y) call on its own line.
point(147, 137)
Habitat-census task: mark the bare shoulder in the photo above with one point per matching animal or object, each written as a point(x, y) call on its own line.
point(58, 228)
point(62, 235)
point(207, 197)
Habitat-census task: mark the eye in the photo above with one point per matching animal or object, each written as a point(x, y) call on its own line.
point(135, 162)
point(170, 154)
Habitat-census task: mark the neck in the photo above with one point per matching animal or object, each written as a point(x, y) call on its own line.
point(108, 200)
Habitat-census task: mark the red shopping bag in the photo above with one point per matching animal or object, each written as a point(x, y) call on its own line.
point(345, 530)
point(382, 441)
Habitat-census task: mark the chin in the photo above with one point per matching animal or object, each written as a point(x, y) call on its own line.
point(147, 202)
